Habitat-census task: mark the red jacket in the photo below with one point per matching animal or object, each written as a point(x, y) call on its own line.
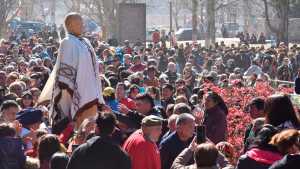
point(144, 154)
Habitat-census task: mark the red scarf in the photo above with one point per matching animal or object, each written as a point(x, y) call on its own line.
point(263, 156)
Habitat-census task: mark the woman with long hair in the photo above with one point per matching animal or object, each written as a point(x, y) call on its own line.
point(261, 154)
point(279, 112)
point(215, 111)
point(48, 145)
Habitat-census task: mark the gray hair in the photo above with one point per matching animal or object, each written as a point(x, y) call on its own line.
point(183, 118)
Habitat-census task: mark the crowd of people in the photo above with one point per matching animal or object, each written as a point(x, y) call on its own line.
point(253, 39)
point(154, 97)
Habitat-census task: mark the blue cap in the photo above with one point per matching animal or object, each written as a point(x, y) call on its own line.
point(29, 116)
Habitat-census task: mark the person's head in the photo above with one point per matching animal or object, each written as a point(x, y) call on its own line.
point(144, 103)
point(137, 60)
point(109, 93)
point(153, 92)
point(151, 71)
point(264, 136)
point(287, 141)
point(16, 88)
point(48, 145)
point(181, 91)
point(167, 91)
point(2, 78)
point(59, 161)
point(120, 91)
point(212, 99)
point(187, 72)
point(7, 130)
point(127, 59)
point(9, 110)
point(74, 24)
point(185, 126)
point(181, 99)
point(206, 155)
point(87, 127)
point(27, 100)
point(256, 107)
point(179, 83)
point(48, 63)
point(170, 109)
point(285, 61)
point(279, 109)
point(106, 123)
point(172, 122)
point(35, 93)
point(171, 67)
point(151, 127)
point(181, 108)
point(133, 91)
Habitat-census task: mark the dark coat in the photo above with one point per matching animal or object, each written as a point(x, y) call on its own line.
point(297, 85)
point(99, 153)
point(216, 124)
point(170, 148)
point(288, 162)
point(11, 154)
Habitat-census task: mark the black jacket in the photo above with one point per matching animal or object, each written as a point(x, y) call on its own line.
point(297, 85)
point(288, 162)
point(99, 153)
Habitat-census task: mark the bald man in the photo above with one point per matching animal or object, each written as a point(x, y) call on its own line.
point(73, 88)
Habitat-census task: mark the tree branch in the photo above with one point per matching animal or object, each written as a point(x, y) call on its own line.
point(227, 4)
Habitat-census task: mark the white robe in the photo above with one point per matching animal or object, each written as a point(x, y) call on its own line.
point(76, 70)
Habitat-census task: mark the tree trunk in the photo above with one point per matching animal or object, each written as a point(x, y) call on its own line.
point(246, 12)
point(195, 20)
point(210, 29)
point(281, 30)
point(3, 29)
point(175, 14)
point(284, 23)
point(110, 17)
point(7, 7)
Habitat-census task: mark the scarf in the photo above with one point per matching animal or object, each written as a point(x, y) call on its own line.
point(263, 156)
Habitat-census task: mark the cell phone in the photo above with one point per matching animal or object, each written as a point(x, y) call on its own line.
point(201, 134)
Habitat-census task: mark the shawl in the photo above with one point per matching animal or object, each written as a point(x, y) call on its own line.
point(74, 83)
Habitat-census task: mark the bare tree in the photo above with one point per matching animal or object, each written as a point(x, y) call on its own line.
point(195, 20)
point(282, 8)
point(178, 7)
point(210, 37)
point(8, 10)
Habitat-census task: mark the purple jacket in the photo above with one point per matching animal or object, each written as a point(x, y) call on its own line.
point(216, 124)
